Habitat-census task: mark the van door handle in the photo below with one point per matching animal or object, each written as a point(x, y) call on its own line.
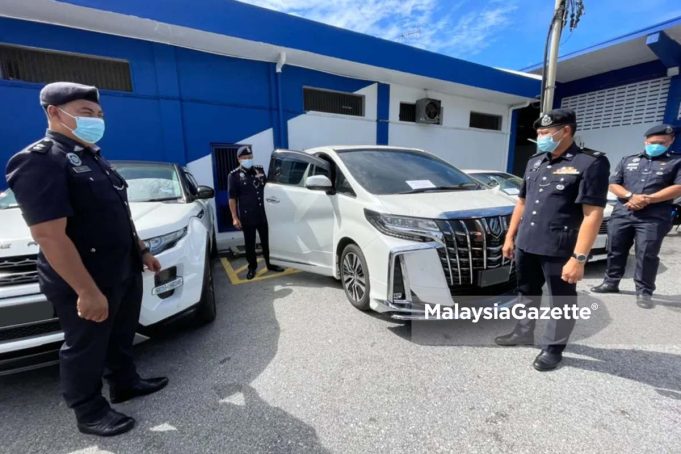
point(272, 200)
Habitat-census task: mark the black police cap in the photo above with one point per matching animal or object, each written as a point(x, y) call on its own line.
point(556, 117)
point(660, 130)
point(59, 93)
point(244, 150)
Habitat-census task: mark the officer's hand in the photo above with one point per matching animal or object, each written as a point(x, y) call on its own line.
point(151, 262)
point(637, 202)
point(93, 306)
point(237, 223)
point(507, 250)
point(573, 271)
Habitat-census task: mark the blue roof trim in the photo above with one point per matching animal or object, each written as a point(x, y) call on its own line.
point(611, 42)
point(232, 18)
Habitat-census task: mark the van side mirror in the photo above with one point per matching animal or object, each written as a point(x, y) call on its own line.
point(205, 192)
point(318, 183)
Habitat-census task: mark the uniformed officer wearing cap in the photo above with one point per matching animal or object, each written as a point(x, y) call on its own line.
point(645, 183)
point(556, 220)
point(246, 186)
point(90, 261)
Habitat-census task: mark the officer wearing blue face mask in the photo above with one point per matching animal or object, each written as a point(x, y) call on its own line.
point(246, 186)
point(645, 183)
point(91, 259)
point(554, 224)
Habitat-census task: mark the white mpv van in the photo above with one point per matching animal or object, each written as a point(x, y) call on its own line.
point(401, 228)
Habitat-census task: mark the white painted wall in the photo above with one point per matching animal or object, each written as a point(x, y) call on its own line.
point(454, 140)
point(315, 129)
point(615, 142)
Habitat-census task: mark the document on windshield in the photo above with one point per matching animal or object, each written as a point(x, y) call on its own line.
point(420, 184)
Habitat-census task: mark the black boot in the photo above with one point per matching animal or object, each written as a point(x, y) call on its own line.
point(644, 300)
point(512, 339)
point(275, 268)
point(547, 360)
point(141, 387)
point(112, 423)
point(250, 275)
point(606, 287)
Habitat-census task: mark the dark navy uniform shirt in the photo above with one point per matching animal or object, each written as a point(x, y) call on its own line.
point(57, 178)
point(247, 186)
point(642, 174)
point(554, 192)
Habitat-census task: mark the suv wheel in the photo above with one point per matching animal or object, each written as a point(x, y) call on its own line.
point(206, 310)
point(355, 276)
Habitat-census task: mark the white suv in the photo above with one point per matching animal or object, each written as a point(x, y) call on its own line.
point(172, 214)
point(399, 227)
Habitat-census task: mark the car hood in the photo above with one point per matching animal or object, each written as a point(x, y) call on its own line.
point(15, 238)
point(157, 218)
point(443, 205)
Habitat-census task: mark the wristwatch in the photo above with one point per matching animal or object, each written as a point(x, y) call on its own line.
point(628, 195)
point(581, 258)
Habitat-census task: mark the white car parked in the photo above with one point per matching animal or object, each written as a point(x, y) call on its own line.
point(173, 215)
point(510, 185)
point(399, 227)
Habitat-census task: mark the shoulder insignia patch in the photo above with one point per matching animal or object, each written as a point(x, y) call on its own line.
point(594, 153)
point(41, 147)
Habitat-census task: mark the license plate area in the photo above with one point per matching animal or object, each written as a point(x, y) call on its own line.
point(487, 278)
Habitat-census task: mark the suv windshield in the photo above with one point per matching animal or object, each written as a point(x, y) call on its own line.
point(150, 182)
point(7, 200)
point(385, 172)
point(508, 183)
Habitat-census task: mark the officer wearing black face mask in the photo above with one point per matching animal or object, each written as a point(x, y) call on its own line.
point(90, 260)
point(246, 186)
point(645, 183)
point(556, 219)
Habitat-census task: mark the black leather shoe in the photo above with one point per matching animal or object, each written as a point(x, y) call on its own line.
point(513, 339)
point(546, 361)
point(250, 275)
point(112, 423)
point(141, 388)
point(644, 301)
point(605, 287)
point(275, 268)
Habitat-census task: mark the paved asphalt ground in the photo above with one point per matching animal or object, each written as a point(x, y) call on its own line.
point(290, 366)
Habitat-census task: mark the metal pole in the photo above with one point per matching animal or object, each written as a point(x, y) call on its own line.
point(556, 31)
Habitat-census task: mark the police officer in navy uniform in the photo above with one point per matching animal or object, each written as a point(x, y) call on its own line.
point(246, 187)
point(91, 260)
point(553, 227)
point(645, 183)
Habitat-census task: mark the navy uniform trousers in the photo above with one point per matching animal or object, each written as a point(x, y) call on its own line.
point(533, 271)
point(249, 240)
point(93, 349)
point(648, 234)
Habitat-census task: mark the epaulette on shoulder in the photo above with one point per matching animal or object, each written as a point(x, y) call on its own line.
point(234, 170)
point(539, 153)
point(41, 147)
point(593, 153)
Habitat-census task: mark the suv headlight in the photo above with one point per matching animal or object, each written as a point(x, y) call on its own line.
point(407, 228)
point(161, 243)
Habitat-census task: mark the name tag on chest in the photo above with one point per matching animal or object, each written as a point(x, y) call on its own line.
point(82, 169)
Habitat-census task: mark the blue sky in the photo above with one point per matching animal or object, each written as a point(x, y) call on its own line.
point(505, 33)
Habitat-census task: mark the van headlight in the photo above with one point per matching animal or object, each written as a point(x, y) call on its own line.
point(406, 228)
point(161, 243)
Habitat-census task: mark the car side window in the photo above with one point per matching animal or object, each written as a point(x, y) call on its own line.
point(343, 185)
point(287, 171)
point(191, 182)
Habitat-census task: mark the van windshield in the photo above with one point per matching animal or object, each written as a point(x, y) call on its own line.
point(384, 172)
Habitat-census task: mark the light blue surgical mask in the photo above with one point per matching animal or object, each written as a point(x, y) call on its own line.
point(88, 129)
point(247, 163)
point(655, 149)
point(547, 144)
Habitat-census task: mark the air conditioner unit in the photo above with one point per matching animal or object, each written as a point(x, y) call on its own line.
point(429, 111)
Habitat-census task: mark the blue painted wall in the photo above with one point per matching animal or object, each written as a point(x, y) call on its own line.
point(182, 100)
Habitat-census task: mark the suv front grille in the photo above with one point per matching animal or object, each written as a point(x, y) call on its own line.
point(18, 270)
point(603, 230)
point(30, 330)
point(472, 245)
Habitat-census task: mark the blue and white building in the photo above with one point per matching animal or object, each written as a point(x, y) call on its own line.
point(622, 87)
point(189, 82)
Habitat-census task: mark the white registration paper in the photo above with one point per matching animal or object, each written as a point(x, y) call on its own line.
point(420, 184)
